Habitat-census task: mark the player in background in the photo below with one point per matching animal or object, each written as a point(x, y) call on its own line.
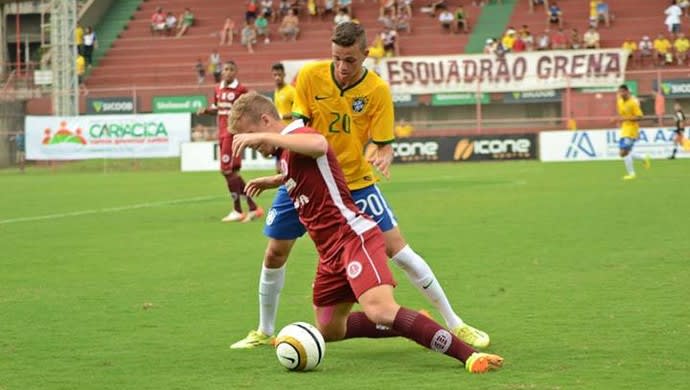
point(283, 97)
point(679, 137)
point(353, 266)
point(224, 96)
point(350, 106)
point(630, 114)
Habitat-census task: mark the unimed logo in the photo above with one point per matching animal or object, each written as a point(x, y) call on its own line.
point(580, 143)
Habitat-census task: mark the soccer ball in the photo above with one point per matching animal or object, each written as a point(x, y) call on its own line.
point(300, 347)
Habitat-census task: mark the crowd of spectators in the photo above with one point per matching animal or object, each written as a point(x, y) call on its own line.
point(166, 24)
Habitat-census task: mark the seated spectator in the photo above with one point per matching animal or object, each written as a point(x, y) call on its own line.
point(262, 30)
point(559, 41)
point(532, 3)
point(446, 19)
point(341, 17)
point(518, 45)
point(673, 14)
point(554, 15)
point(215, 65)
point(251, 12)
point(645, 49)
point(283, 8)
point(603, 13)
point(630, 47)
point(403, 129)
point(490, 46)
point(249, 36)
point(404, 20)
point(158, 22)
point(462, 19)
point(386, 7)
point(170, 23)
point(267, 10)
point(662, 50)
point(227, 34)
point(376, 50)
point(200, 71)
point(389, 38)
point(346, 4)
point(544, 40)
point(289, 27)
point(526, 37)
point(591, 39)
point(575, 40)
point(508, 39)
point(684, 4)
point(186, 21)
point(681, 46)
point(327, 8)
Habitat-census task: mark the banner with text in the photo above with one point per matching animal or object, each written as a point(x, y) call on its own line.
point(105, 136)
point(516, 72)
point(204, 156)
point(110, 105)
point(590, 145)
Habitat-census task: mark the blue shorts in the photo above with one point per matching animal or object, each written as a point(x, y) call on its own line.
point(282, 221)
point(626, 143)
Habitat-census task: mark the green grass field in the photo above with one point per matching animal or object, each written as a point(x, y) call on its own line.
point(581, 279)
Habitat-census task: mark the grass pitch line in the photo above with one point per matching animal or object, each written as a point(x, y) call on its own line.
point(110, 209)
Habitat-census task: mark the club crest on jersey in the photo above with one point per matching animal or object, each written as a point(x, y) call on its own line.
point(359, 103)
point(354, 268)
point(228, 96)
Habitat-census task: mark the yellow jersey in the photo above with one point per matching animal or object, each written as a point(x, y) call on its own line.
point(79, 35)
point(81, 65)
point(681, 45)
point(283, 98)
point(349, 118)
point(628, 109)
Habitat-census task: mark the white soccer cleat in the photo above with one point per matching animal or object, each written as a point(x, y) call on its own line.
point(234, 216)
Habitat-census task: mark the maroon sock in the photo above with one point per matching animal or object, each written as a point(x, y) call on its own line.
point(358, 325)
point(235, 189)
point(427, 333)
point(250, 201)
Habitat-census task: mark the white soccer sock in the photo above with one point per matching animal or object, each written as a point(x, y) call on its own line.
point(270, 284)
point(636, 156)
point(421, 275)
point(629, 166)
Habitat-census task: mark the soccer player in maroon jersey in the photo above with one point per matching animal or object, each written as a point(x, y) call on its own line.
point(353, 265)
point(224, 96)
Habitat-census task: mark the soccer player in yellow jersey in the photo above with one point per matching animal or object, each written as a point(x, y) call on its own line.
point(350, 106)
point(629, 113)
point(284, 94)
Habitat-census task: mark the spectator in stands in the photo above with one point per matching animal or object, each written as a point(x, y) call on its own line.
point(681, 46)
point(227, 33)
point(404, 19)
point(158, 22)
point(200, 71)
point(90, 44)
point(79, 38)
point(170, 23)
point(215, 65)
point(341, 17)
point(249, 35)
point(646, 49)
point(673, 14)
point(403, 129)
point(386, 7)
point(262, 30)
point(251, 12)
point(630, 46)
point(591, 39)
point(389, 37)
point(267, 10)
point(462, 19)
point(433, 7)
point(289, 27)
point(532, 3)
point(662, 50)
point(526, 37)
point(554, 15)
point(544, 40)
point(518, 44)
point(684, 4)
point(80, 64)
point(186, 21)
point(327, 8)
point(346, 4)
point(445, 19)
point(599, 11)
point(559, 40)
point(283, 8)
point(575, 40)
point(490, 46)
point(508, 39)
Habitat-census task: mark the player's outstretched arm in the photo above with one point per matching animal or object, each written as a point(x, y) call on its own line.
point(312, 145)
point(256, 186)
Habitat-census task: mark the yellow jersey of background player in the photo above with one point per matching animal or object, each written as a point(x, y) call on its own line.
point(348, 117)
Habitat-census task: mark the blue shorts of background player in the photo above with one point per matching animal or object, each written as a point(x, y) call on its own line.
point(282, 222)
point(626, 143)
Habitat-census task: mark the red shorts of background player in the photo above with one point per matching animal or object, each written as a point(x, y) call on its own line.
point(227, 162)
point(361, 265)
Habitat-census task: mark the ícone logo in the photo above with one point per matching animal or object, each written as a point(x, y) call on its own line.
point(354, 269)
point(463, 149)
point(63, 136)
point(580, 143)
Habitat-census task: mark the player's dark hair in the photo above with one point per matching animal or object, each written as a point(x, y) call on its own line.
point(348, 34)
point(279, 67)
point(624, 87)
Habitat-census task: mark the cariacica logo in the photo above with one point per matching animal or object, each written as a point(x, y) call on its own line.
point(63, 135)
point(124, 130)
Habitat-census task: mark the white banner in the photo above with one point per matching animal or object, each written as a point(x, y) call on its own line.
point(106, 136)
point(516, 72)
point(203, 156)
point(590, 145)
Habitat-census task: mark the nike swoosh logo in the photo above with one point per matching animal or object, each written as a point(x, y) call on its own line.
point(427, 286)
point(317, 97)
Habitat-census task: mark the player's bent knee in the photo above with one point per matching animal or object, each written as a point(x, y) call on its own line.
point(394, 242)
point(277, 253)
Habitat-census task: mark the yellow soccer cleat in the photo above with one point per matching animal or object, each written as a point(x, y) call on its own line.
point(630, 177)
point(480, 363)
point(472, 336)
point(647, 162)
point(254, 339)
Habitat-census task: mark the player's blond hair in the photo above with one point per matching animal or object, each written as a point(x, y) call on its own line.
point(350, 33)
point(250, 107)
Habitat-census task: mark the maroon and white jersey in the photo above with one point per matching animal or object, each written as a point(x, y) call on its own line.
point(320, 194)
point(223, 98)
